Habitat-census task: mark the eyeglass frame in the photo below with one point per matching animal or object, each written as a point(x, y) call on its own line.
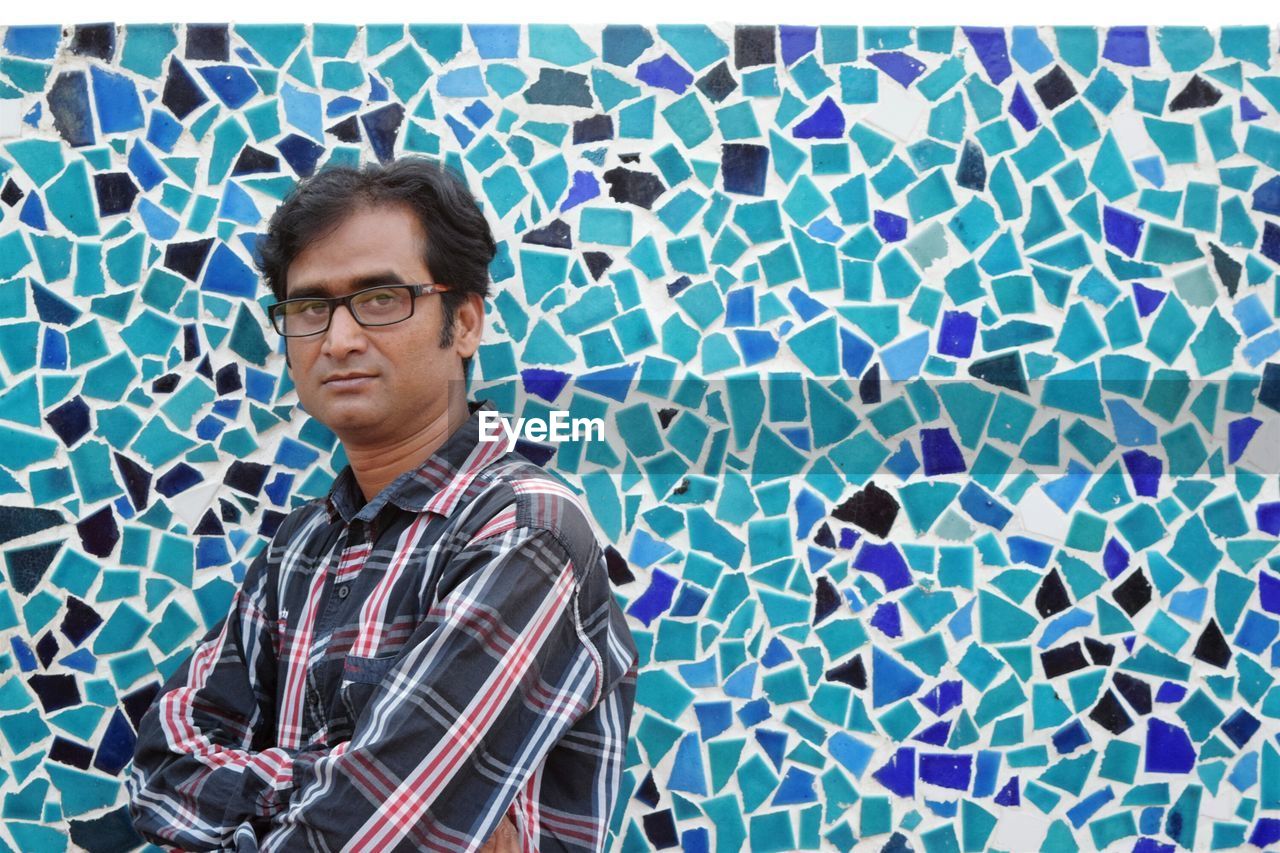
point(416, 290)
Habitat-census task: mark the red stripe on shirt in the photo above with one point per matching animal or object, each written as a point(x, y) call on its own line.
point(372, 616)
point(444, 501)
point(296, 660)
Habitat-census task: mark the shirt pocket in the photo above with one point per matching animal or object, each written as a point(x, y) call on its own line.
point(360, 678)
point(358, 670)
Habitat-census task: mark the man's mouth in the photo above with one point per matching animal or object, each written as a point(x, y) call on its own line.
point(347, 380)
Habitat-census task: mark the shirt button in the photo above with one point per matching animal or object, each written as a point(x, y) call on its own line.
point(344, 591)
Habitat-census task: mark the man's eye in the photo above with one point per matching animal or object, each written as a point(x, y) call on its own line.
point(311, 309)
point(381, 298)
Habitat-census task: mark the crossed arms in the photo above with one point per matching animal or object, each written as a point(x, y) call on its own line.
point(482, 708)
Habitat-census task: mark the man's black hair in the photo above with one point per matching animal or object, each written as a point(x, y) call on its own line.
point(460, 245)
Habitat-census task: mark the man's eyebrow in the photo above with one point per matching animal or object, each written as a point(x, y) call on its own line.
point(368, 280)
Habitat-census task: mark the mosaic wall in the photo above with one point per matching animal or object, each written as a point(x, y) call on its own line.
point(941, 463)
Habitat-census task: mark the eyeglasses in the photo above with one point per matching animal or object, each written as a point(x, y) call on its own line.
point(374, 306)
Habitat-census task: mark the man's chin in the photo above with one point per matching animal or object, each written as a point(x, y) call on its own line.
point(349, 421)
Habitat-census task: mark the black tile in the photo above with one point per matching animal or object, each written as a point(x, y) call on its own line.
point(228, 379)
point(852, 672)
point(247, 477)
point(271, 521)
point(1134, 690)
point(660, 829)
point(70, 753)
point(1269, 390)
point(115, 191)
point(647, 791)
point(228, 512)
point(718, 83)
point(166, 384)
point(826, 600)
point(253, 161)
point(1134, 593)
point(80, 621)
point(96, 40)
point(753, 45)
point(208, 41)
point(598, 263)
point(190, 341)
point(99, 532)
point(136, 703)
point(209, 525)
point(630, 186)
point(347, 130)
point(555, 234)
point(12, 193)
point(1111, 715)
point(70, 421)
point(1055, 88)
point(187, 259)
point(1212, 647)
point(47, 649)
point(1099, 652)
point(1197, 94)
point(1052, 595)
point(1063, 660)
point(137, 481)
point(873, 509)
point(869, 386)
point(620, 574)
point(597, 128)
point(744, 168)
point(181, 94)
point(55, 692)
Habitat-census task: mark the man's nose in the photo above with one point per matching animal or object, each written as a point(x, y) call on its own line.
point(345, 335)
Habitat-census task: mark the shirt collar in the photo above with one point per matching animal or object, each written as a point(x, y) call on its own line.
point(437, 485)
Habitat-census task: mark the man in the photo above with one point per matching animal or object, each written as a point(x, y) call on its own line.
point(433, 646)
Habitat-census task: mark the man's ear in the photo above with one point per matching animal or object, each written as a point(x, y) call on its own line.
point(468, 325)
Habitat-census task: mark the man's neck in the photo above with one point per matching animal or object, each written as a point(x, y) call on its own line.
point(377, 466)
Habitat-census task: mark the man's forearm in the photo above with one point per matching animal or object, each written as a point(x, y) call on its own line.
point(197, 801)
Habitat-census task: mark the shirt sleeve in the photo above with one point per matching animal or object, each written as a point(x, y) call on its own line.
point(205, 762)
point(499, 670)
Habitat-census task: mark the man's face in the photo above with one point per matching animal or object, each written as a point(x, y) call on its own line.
point(382, 385)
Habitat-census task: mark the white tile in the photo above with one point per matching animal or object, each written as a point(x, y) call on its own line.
point(10, 118)
point(899, 111)
point(1041, 516)
point(191, 504)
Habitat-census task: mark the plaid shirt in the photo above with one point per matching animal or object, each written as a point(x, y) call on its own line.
point(398, 675)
